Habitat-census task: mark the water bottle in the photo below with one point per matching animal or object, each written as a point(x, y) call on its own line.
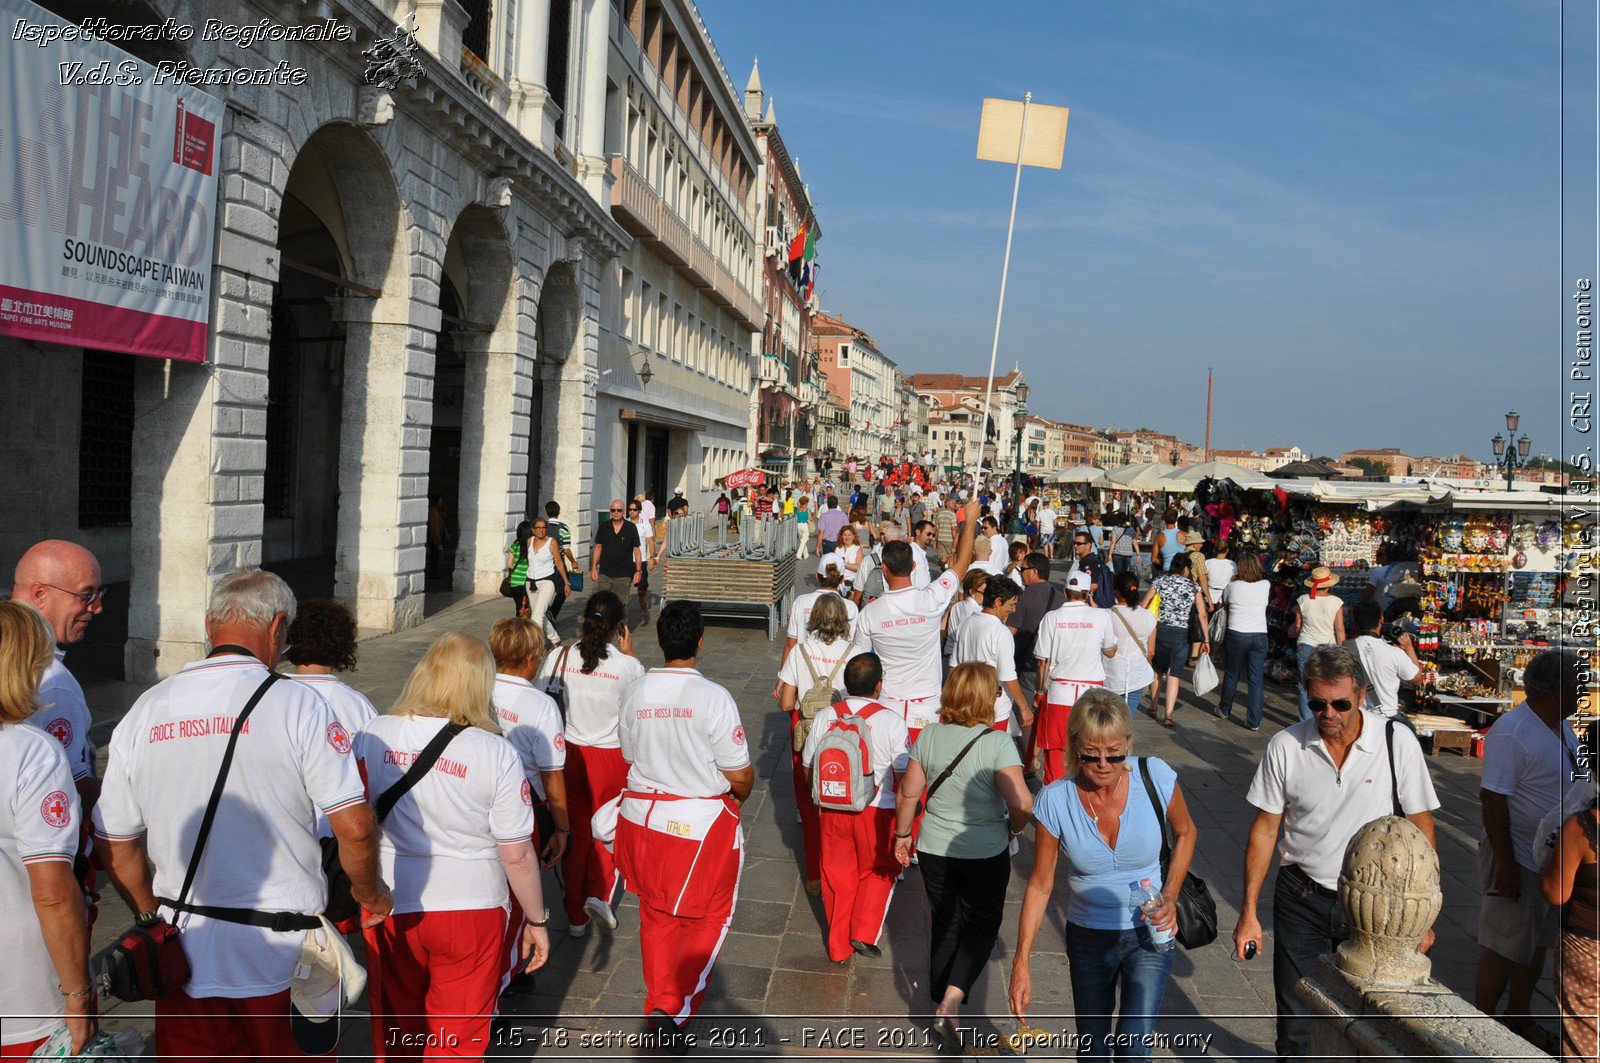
point(1146, 898)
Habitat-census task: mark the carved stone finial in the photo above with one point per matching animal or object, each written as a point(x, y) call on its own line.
point(1389, 888)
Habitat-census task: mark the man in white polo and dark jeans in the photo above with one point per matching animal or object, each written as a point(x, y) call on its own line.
point(1321, 781)
point(903, 627)
point(260, 874)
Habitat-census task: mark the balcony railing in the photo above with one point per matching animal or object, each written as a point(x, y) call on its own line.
point(676, 241)
point(634, 203)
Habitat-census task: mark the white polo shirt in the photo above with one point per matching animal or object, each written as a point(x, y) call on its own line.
point(823, 656)
point(64, 715)
point(350, 707)
point(594, 699)
point(680, 732)
point(1533, 768)
point(39, 821)
point(1323, 806)
point(984, 638)
point(921, 575)
point(903, 628)
point(800, 613)
point(292, 762)
point(999, 551)
point(1073, 640)
point(440, 849)
point(530, 721)
point(1386, 667)
point(959, 614)
point(887, 750)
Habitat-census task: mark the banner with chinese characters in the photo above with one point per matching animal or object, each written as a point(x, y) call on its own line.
point(108, 194)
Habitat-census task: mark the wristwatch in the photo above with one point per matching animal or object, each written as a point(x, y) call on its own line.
point(542, 922)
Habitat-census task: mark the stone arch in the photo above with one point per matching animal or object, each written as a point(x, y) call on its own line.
point(558, 336)
point(480, 344)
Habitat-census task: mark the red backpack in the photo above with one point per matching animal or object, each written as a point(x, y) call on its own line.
point(841, 774)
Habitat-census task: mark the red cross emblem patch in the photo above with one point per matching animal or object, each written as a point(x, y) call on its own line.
point(527, 793)
point(338, 737)
point(738, 734)
point(60, 729)
point(56, 810)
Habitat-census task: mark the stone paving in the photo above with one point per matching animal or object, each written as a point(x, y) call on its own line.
point(774, 990)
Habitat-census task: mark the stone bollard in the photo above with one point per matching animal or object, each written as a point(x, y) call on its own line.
point(1376, 997)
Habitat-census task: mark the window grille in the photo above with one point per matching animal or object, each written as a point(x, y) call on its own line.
point(105, 441)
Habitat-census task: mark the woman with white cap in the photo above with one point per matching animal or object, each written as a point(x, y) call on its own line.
point(1318, 621)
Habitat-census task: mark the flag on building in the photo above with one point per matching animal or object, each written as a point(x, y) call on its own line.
point(797, 249)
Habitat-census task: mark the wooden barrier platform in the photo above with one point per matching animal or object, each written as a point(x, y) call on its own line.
point(733, 587)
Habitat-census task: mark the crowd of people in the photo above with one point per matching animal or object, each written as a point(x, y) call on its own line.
point(962, 682)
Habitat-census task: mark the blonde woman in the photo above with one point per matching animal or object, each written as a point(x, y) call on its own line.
point(46, 975)
point(966, 827)
point(1099, 820)
point(450, 845)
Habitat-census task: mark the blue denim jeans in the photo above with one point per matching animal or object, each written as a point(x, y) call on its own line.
point(1302, 653)
point(1247, 655)
point(1132, 697)
point(1308, 921)
point(1104, 964)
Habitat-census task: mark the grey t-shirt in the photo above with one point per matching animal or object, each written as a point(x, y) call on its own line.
point(966, 818)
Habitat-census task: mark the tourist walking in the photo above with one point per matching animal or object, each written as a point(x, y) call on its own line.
point(1318, 621)
point(679, 843)
point(1074, 643)
point(588, 678)
point(1179, 598)
point(1530, 765)
point(976, 801)
point(1386, 664)
point(1101, 821)
point(1246, 598)
point(968, 605)
point(1128, 671)
point(647, 537)
point(802, 521)
point(1307, 812)
point(457, 846)
point(517, 568)
point(46, 981)
point(260, 882)
point(545, 576)
point(986, 639)
point(858, 866)
point(531, 722)
point(817, 661)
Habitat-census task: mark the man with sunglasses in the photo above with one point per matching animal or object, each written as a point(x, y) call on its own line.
point(1321, 781)
point(618, 555)
point(62, 581)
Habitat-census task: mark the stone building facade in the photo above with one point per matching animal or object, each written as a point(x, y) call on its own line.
point(416, 293)
point(863, 379)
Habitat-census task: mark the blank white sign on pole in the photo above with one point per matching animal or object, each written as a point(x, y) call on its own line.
point(1002, 125)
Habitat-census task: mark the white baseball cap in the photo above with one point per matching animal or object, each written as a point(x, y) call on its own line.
point(1079, 581)
point(327, 979)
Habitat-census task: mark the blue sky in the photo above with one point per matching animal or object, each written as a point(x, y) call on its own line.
point(1350, 210)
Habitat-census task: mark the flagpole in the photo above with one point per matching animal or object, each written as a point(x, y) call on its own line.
point(1005, 269)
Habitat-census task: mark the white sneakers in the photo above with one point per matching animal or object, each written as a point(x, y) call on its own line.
point(577, 930)
point(600, 910)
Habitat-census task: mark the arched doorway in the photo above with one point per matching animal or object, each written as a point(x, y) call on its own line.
point(338, 248)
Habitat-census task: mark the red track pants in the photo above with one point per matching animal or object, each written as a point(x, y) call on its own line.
point(595, 775)
point(22, 1049)
point(858, 876)
point(811, 826)
point(224, 1029)
point(433, 979)
point(696, 874)
point(1050, 729)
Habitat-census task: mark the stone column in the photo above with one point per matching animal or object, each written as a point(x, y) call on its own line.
point(494, 416)
point(591, 111)
point(383, 459)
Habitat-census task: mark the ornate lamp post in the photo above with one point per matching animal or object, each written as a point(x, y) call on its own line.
point(1515, 456)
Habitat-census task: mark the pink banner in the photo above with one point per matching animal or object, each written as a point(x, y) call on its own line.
point(82, 323)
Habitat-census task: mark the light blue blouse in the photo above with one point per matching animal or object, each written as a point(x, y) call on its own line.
point(1099, 878)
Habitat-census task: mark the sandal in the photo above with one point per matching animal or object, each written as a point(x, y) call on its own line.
point(1167, 722)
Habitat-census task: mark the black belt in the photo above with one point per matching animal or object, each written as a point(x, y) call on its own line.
point(1297, 874)
point(281, 922)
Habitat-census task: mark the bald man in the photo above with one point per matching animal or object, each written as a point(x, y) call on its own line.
point(62, 581)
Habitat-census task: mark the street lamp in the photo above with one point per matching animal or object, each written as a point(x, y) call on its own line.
point(1019, 421)
point(1515, 456)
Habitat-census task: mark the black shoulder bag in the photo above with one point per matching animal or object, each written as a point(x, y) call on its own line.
point(943, 775)
point(1197, 911)
point(148, 962)
point(341, 904)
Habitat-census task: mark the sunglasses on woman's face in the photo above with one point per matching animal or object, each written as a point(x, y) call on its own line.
point(1340, 705)
point(1117, 759)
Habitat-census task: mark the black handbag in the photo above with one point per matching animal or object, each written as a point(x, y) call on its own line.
point(1197, 911)
point(342, 905)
